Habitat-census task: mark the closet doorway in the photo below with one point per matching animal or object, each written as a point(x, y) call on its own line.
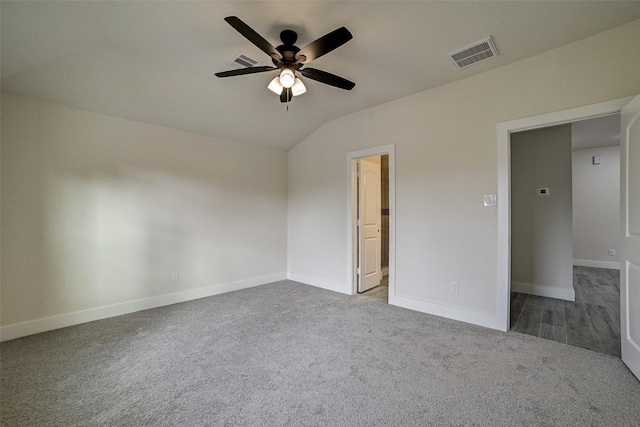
point(371, 223)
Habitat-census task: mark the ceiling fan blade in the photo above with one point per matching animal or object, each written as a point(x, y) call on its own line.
point(327, 78)
point(324, 45)
point(243, 71)
point(286, 95)
point(255, 38)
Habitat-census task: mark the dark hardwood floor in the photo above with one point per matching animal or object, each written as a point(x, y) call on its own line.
point(592, 321)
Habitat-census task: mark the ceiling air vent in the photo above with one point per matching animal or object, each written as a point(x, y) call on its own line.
point(474, 53)
point(243, 61)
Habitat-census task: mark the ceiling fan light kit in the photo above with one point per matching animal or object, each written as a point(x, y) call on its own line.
point(275, 86)
point(298, 87)
point(287, 78)
point(288, 58)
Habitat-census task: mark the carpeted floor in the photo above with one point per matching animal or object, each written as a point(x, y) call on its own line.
point(290, 354)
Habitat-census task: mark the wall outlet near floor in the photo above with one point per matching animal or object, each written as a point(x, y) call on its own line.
point(175, 276)
point(455, 287)
point(612, 252)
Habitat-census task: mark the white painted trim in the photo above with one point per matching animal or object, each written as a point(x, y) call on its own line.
point(455, 313)
point(504, 131)
point(597, 264)
point(320, 283)
point(23, 329)
point(544, 291)
point(351, 244)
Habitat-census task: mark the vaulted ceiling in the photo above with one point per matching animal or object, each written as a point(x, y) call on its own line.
point(155, 61)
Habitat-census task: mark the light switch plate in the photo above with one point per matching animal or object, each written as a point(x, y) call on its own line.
point(489, 200)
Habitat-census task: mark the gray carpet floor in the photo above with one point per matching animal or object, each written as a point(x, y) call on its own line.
point(291, 354)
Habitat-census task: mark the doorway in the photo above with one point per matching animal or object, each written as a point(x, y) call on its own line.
point(371, 226)
point(504, 185)
point(565, 186)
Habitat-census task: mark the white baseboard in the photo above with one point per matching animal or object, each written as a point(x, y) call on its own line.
point(597, 264)
point(23, 329)
point(320, 283)
point(477, 318)
point(455, 313)
point(544, 291)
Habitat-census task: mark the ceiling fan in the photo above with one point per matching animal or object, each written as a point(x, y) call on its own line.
point(290, 59)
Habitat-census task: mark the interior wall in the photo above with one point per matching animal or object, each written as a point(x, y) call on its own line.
point(596, 207)
point(445, 161)
point(98, 211)
point(541, 225)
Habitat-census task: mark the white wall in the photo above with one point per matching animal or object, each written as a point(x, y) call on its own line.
point(596, 207)
point(541, 226)
point(98, 211)
point(446, 160)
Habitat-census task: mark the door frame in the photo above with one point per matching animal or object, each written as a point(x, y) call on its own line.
point(352, 212)
point(504, 131)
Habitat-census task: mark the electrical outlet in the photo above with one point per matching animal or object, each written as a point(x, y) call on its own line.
point(455, 287)
point(612, 252)
point(175, 276)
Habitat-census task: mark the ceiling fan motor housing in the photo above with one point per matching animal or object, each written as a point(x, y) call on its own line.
point(288, 37)
point(288, 51)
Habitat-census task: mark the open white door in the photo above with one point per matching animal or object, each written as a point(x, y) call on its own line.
point(370, 219)
point(630, 245)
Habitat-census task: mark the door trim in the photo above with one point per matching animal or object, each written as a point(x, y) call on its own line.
point(352, 209)
point(504, 131)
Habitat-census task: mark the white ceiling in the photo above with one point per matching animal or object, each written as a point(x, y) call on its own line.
point(598, 132)
point(154, 61)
